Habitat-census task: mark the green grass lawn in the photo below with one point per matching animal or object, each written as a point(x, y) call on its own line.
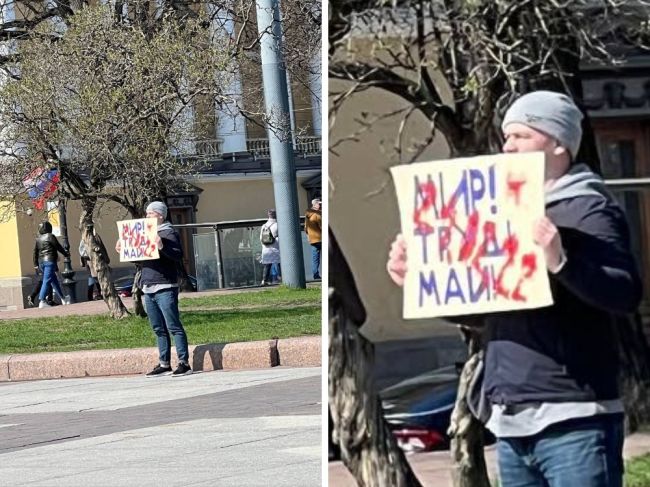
point(278, 296)
point(637, 472)
point(278, 312)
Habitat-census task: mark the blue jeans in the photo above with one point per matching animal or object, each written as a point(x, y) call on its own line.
point(162, 309)
point(315, 259)
point(49, 278)
point(585, 452)
point(276, 272)
point(267, 272)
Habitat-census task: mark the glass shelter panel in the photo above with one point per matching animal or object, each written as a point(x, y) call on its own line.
point(206, 261)
point(230, 256)
point(241, 251)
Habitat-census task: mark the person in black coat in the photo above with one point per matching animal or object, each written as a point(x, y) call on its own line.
point(46, 254)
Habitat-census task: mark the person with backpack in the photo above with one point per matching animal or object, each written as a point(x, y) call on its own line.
point(270, 247)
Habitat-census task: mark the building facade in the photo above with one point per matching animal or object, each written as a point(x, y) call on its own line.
point(235, 182)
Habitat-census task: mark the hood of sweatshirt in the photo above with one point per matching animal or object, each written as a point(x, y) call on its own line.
point(580, 180)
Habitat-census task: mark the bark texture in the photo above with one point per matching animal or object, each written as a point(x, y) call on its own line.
point(368, 448)
point(465, 431)
point(137, 294)
point(98, 261)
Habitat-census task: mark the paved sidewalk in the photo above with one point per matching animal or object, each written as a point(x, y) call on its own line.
point(249, 428)
point(433, 469)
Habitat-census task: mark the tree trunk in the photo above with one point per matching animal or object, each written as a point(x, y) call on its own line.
point(368, 448)
point(98, 262)
point(466, 432)
point(136, 293)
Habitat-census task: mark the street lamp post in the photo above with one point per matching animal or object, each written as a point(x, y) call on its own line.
point(69, 284)
point(283, 168)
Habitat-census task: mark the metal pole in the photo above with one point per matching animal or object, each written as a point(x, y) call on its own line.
point(279, 131)
point(217, 245)
point(292, 114)
point(316, 96)
point(69, 284)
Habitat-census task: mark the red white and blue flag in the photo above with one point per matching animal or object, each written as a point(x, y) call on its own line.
point(41, 184)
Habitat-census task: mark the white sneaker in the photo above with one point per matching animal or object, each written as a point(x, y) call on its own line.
point(65, 301)
point(43, 304)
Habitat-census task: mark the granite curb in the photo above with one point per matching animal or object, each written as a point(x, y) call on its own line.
point(291, 352)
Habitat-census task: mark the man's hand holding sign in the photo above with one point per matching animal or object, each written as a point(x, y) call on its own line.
point(470, 227)
point(547, 236)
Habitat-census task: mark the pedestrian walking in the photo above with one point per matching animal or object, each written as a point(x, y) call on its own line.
point(46, 255)
point(270, 247)
point(94, 289)
point(49, 296)
point(313, 226)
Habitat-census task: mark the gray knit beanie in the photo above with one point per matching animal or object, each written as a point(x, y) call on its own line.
point(159, 207)
point(555, 114)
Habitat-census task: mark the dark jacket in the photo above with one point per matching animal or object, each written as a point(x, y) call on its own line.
point(164, 269)
point(47, 247)
point(567, 351)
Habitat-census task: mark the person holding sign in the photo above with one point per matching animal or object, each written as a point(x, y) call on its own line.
point(160, 287)
point(550, 377)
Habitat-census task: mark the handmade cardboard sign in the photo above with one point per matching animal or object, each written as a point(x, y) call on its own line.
point(468, 225)
point(138, 239)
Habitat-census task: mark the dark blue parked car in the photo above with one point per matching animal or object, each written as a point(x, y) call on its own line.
point(418, 410)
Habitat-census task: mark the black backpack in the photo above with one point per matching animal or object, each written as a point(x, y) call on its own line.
point(267, 235)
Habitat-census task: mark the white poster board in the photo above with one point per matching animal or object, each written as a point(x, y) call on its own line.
point(468, 224)
point(138, 239)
